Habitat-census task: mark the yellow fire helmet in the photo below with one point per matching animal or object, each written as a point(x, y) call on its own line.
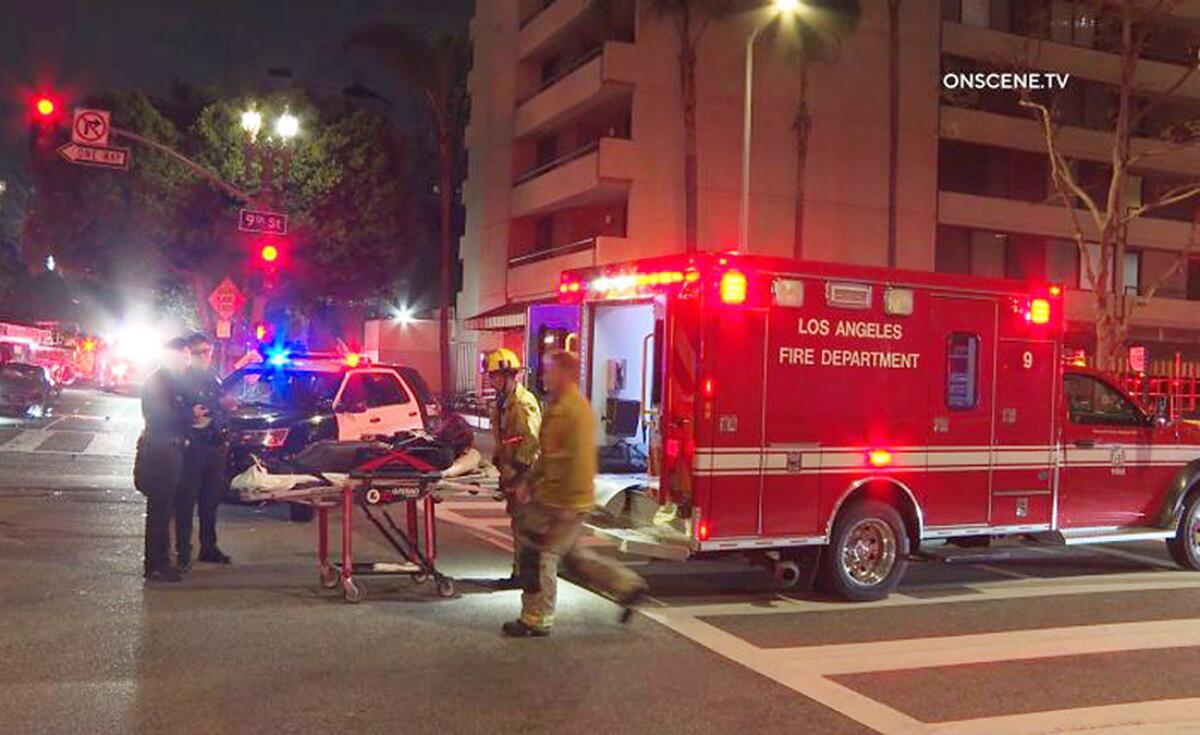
point(502, 359)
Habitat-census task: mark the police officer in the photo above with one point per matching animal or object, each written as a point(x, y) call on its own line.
point(516, 419)
point(557, 494)
point(204, 464)
point(159, 460)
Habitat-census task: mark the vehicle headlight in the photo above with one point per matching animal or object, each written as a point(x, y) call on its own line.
point(269, 439)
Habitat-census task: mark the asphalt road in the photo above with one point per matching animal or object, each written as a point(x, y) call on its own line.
point(1049, 640)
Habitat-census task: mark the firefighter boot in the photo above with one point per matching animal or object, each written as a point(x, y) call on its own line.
point(518, 629)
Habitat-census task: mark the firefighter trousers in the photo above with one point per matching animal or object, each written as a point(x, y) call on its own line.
point(550, 537)
point(511, 507)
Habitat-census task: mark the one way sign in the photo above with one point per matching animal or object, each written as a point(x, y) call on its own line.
point(89, 155)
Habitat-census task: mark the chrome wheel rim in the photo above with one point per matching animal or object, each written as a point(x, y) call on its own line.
point(869, 552)
point(1193, 532)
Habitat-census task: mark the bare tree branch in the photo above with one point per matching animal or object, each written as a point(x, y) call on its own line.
point(1173, 196)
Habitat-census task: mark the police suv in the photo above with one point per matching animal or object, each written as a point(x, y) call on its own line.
point(291, 400)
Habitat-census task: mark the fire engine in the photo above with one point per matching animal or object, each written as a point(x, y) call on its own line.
point(837, 418)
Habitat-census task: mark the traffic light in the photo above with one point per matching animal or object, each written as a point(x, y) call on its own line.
point(269, 253)
point(45, 116)
point(45, 108)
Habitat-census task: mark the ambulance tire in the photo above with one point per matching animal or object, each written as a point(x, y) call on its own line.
point(1185, 545)
point(876, 564)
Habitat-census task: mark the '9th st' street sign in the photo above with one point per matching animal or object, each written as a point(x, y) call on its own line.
point(261, 221)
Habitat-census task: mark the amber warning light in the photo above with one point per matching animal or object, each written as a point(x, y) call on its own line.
point(879, 457)
point(1039, 311)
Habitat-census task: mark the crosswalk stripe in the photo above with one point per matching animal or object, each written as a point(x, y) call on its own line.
point(111, 444)
point(1166, 715)
point(27, 441)
point(1000, 590)
point(914, 653)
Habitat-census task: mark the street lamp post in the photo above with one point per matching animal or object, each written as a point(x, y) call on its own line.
point(778, 8)
point(286, 127)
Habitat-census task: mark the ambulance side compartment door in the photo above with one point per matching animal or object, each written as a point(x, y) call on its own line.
point(731, 421)
point(1026, 408)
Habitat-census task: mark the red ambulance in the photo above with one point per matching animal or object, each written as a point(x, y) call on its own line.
point(840, 416)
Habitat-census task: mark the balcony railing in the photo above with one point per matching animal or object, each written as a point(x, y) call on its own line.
point(539, 8)
point(563, 73)
point(552, 252)
point(533, 173)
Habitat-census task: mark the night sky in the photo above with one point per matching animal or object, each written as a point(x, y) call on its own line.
point(86, 46)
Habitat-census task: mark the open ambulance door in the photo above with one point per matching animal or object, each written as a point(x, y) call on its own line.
point(622, 358)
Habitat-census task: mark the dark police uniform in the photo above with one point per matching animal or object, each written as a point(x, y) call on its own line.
point(204, 470)
point(159, 462)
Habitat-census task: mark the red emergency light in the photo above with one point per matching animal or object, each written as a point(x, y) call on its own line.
point(703, 531)
point(624, 284)
point(44, 107)
point(351, 359)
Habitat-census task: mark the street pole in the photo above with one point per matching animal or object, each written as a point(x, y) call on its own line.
point(747, 133)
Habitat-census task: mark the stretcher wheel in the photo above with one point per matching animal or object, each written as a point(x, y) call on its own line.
point(445, 588)
point(420, 577)
point(329, 576)
point(352, 592)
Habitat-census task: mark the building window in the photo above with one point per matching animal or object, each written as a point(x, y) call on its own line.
point(1133, 262)
point(962, 371)
point(544, 233)
point(1073, 22)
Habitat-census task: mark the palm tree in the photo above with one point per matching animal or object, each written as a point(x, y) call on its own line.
point(691, 19)
point(435, 65)
point(818, 36)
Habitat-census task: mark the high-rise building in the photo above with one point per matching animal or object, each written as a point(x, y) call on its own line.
point(576, 155)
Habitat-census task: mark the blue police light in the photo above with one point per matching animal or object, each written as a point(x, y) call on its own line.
point(279, 358)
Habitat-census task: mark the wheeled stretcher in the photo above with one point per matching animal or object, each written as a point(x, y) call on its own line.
point(386, 475)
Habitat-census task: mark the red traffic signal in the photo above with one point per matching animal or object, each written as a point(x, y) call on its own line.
point(270, 253)
point(44, 108)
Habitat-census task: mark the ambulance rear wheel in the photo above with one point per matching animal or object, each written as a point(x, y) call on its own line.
point(1185, 546)
point(867, 552)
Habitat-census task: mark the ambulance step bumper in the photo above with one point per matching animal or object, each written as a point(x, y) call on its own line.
point(962, 556)
point(630, 541)
point(1080, 536)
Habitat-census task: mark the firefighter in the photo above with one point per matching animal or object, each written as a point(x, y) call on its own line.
point(516, 419)
point(556, 495)
point(204, 464)
point(159, 460)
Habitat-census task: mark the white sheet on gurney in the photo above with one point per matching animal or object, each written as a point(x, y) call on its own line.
point(257, 484)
